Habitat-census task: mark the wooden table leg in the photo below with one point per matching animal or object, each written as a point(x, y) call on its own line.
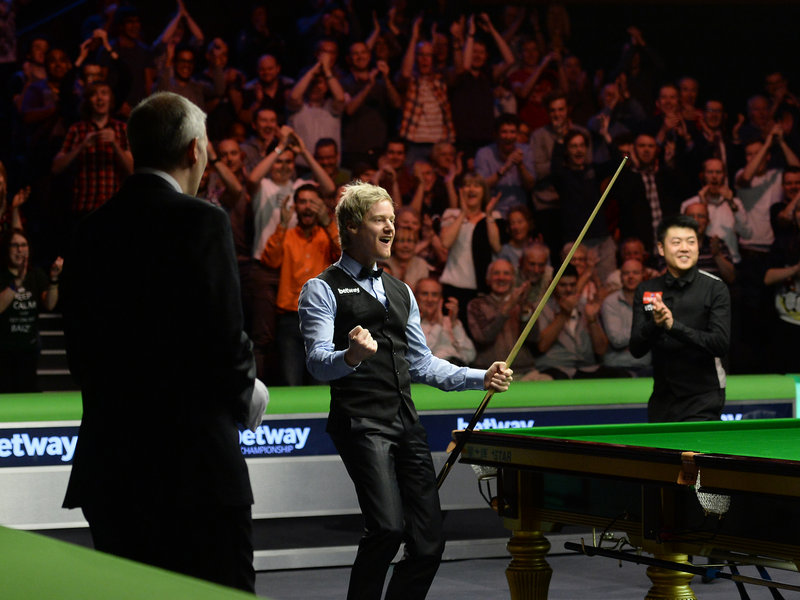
point(669, 584)
point(528, 573)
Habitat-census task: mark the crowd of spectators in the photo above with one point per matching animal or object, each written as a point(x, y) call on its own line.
point(492, 139)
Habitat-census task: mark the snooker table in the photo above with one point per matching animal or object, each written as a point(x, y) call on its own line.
point(299, 482)
point(69, 572)
point(639, 479)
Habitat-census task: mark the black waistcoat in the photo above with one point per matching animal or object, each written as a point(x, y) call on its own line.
point(380, 383)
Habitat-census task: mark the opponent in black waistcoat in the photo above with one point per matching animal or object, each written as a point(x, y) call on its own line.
point(683, 317)
point(362, 334)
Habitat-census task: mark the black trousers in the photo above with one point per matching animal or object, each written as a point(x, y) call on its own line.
point(214, 543)
point(666, 408)
point(392, 470)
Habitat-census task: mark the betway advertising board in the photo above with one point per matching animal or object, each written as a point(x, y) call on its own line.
point(49, 444)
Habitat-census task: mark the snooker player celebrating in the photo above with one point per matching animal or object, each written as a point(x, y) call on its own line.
point(362, 334)
point(684, 317)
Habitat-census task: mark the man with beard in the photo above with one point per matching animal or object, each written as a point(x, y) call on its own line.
point(300, 253)
point(98, 146)
point(684, 318)
point(270, 182)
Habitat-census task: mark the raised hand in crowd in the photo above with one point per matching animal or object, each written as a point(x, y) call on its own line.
point(286, 211)
point(740, 119)
point(568, 302)
point(321, 210)
point(449, 312)
point(20, 197)
point(56, 268)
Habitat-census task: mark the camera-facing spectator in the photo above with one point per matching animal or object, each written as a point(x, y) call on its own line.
point(97, 146)
point(444, 333)
point(617, 317)
point(24, 292)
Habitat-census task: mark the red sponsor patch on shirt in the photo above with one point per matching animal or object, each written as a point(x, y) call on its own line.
point(650, 297)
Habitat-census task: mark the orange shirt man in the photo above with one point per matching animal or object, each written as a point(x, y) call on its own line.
point(301, 253)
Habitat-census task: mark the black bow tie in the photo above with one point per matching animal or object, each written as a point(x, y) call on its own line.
point(365, 273)
point(678, 282)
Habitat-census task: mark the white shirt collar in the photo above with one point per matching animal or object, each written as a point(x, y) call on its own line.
point(351, 266)
point(164, 175)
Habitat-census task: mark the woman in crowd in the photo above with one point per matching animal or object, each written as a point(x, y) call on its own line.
point(521, 233)
point(471, 236)
point(404, 263)
point(24, 292)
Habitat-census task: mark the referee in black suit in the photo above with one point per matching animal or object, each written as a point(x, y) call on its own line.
point(154, 337)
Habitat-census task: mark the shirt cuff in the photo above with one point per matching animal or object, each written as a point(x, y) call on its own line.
point(474, 379)
point(340, 365)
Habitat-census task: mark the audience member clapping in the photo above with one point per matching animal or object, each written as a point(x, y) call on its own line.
point(444, 332)
point(24, 292)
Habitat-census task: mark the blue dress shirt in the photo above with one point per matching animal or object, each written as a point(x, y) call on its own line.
point(317, 311)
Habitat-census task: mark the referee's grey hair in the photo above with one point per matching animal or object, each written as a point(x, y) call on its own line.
point(161, 127)
point(354, 203)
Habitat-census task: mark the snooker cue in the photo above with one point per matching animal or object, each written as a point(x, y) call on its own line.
point(459, 445)
point(676, 566)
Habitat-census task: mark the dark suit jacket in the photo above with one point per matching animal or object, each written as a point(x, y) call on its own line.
point(635, 215)
point(154, 337)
